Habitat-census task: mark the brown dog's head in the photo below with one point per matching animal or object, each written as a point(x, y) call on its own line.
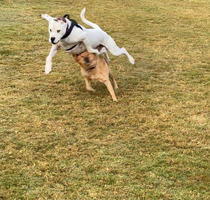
point(86, 59)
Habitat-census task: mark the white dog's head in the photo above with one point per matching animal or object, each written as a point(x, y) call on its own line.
point(57, 28)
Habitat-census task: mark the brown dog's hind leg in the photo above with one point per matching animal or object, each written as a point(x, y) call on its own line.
point(111, 90)
point(111, 76)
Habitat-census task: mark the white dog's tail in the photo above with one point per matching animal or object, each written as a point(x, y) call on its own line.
point(82, 15)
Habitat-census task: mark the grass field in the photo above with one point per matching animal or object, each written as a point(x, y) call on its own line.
point(57, 141)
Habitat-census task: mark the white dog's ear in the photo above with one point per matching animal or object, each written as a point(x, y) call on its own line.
point(47, 17)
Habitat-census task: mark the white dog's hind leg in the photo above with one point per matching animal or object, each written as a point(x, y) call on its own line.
point(116, 51)
point(119, 51)
point(104, 51)
point(53, 52)
point(130, 58)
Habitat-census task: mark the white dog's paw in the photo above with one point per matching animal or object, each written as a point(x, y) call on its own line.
point(97, 52)
point(47, 70)
point(94, 51)
point(132, 61)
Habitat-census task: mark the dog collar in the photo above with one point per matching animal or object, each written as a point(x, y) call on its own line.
point(71, 47)
point(89, 69)
point(92, 67)
point(69, 30)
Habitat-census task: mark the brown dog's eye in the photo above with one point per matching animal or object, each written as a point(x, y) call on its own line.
point(58, 31)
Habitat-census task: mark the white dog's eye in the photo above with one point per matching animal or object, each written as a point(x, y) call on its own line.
point(50, 30)
point(58, 31)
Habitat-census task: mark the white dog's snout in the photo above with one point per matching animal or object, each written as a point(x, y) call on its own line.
point(52, 39)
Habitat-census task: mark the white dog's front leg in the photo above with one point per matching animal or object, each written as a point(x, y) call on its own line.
point(48, 66)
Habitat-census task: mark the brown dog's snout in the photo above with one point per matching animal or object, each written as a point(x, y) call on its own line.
point(86, 59)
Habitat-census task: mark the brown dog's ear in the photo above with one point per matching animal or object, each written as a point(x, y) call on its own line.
point(75, 56)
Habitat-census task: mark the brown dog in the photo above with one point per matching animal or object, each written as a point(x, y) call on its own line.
point(96, 68)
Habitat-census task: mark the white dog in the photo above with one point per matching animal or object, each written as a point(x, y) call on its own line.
point(67, 34)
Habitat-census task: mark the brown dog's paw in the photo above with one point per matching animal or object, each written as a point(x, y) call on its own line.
point(90, 90)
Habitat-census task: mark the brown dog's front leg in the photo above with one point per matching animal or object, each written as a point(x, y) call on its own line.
point(88, 85)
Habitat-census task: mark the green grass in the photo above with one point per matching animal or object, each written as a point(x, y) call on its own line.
point(57, 141)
